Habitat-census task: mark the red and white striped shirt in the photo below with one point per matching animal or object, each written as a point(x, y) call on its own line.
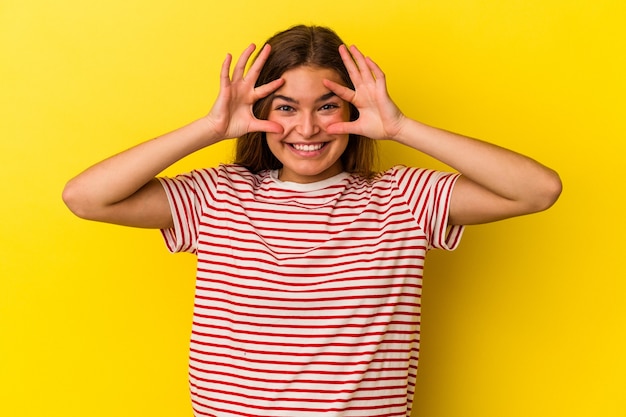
point(307, 295)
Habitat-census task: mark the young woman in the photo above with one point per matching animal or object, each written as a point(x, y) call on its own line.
point(309, 264)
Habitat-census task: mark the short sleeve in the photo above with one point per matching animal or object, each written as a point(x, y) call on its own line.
point(428, 194)
point(188, 196)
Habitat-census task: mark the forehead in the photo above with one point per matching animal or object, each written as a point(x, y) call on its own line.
point(306, 76)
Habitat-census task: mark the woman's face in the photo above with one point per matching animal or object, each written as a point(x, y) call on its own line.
point(305, 108)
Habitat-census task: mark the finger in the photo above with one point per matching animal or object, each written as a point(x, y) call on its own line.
point(375, 69)
point(267, 89)
point(343, 128)
point(240, 67)
point(342, 92)
point(381, 83)
point(353, 71)
point(260, 60)
point(266, 126)
point(365, 71)
point(225, 71)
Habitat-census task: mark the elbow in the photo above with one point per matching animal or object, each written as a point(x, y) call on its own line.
point(75, 200)
point(547, 192)
point(71, 198)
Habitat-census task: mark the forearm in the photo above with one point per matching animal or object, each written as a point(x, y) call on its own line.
point(120, 176)
point(505, 173)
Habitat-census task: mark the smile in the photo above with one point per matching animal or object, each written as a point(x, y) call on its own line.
point(307, 147)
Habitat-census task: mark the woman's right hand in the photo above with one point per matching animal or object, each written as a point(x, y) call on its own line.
point(122, 189)
point(231, 115)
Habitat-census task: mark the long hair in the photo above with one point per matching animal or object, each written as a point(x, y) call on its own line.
point(312, 46)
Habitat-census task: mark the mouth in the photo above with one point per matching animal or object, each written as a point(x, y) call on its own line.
point(308, 147)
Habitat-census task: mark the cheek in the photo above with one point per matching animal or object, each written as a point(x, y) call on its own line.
point(335, 118)
point(286, 122)
point(273, 138)
point(343, 116)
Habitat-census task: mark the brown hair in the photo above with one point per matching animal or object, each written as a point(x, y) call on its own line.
point(303, 45)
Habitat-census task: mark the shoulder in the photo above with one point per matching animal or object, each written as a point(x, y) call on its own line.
point(414, 175)
point(221, 173)
point(416, 184)
point(394, 176)
point(202, 181)
point(238, 174)
point(386, 179)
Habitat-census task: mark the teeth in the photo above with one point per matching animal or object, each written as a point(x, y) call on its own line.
point(308, 148)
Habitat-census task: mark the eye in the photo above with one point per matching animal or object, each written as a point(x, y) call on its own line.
point(329, 106)
point(284, 108)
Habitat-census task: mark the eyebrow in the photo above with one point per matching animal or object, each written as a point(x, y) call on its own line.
point(293, 100)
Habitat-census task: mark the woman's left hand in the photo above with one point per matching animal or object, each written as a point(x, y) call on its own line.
point(379, 117)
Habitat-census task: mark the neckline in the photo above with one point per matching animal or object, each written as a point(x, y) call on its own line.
point(310, 186)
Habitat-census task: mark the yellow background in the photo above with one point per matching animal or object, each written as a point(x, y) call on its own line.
point(527, 318)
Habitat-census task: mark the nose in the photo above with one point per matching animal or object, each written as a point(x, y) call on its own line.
point(308, 125)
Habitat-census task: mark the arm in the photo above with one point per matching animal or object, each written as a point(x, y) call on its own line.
point(496, 183)
point(123, 190)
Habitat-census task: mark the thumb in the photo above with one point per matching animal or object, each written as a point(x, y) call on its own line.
point(266, 126)
point(342, 128)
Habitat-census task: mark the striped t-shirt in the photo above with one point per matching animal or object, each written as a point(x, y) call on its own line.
point(307, 296)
